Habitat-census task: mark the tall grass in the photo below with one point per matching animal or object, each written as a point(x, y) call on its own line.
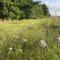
point(19, 39)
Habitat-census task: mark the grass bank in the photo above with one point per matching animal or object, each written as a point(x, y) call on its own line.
point(19, 39)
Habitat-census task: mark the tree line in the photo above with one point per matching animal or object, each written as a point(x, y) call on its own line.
point(22, 9)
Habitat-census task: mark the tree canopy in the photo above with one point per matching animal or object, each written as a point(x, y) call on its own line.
point(22, 9)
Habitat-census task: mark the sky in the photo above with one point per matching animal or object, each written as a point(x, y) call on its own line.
point(54, 6)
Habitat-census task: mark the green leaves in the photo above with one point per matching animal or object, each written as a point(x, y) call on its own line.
point(22, 9)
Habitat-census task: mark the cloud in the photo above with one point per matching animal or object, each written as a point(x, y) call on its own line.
point(54, 6)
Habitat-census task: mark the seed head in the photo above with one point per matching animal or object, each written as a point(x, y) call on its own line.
point(43, 44)
point(24, 40)
point(30, 27)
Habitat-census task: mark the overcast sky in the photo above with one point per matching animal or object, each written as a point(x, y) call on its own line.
point(54, 6)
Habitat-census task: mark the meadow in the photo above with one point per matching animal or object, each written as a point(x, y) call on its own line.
point(19, 39)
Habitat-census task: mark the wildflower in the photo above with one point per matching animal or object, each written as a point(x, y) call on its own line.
point(24, 40)
point(10, 48)
point(20, 50)
point(43, 44)
point(58, 39)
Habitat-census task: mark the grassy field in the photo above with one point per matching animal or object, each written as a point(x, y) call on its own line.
point(19, 39)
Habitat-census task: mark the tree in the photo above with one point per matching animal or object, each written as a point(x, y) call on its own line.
point(36, 10)
point(45, 10)
point(22, 9)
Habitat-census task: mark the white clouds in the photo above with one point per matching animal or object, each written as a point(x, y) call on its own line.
point(54, 7)
point(46, 2)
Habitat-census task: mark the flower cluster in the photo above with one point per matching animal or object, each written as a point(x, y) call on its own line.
point(42, 44)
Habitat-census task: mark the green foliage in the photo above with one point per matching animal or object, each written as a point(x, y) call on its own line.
point(36, 11)
point(45, 10)
point(20, 9)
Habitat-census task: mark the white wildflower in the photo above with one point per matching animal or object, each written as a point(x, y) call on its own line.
point(20, 50)
point(24, 40)
point(10, 48)
point(43, 44)
point(58, 39)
